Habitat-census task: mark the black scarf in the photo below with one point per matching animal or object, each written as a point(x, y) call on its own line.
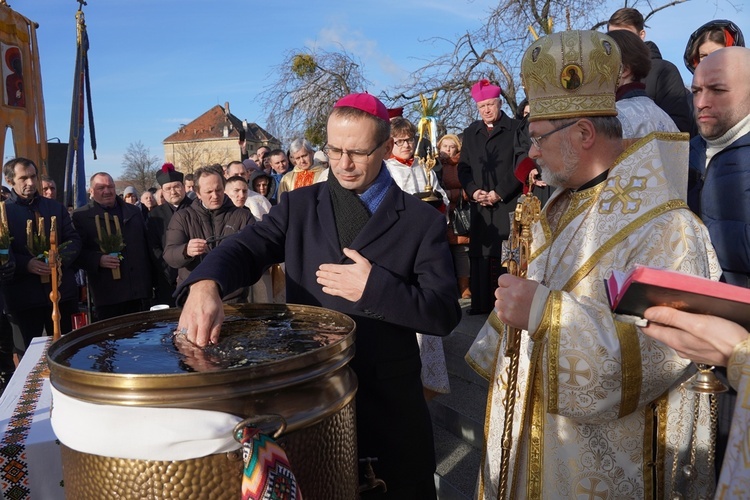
point(350, 213)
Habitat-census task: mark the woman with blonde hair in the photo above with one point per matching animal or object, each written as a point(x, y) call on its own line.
point(449, 148)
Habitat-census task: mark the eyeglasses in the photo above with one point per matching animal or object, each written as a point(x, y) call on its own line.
point(336, 154)
point(537, 141)
point(401, 142)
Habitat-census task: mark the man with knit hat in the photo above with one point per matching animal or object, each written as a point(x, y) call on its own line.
point(357, 244)
point(485, 170)
point(597, 409)
point(171, 182)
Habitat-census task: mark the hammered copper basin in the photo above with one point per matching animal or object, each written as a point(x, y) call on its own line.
point(254, 370)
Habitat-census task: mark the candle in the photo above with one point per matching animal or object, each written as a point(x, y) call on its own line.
point(29, 234)
point(3, 218)
point(40, 226)
point(98, 224)
point(117, 225)
point(107, 225)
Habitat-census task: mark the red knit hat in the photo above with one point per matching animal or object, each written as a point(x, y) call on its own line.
point(364, 102)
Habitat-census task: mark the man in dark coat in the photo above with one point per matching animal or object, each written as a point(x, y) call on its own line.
point(27, 298)
point(719, 173)
point(165, 279)
point(663, 84)
point(132, 291)
point(485, 170)
point(194, 232)
point(359, 245)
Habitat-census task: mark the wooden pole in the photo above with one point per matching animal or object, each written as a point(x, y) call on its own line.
point(54, 267)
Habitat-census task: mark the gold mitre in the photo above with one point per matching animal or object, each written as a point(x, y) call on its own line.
point(571, 73)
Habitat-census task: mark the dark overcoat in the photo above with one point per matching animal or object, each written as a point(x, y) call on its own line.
point(165, 278)
point(135, 266)
point(487, 162)
point(411, 288)
point(26, 290)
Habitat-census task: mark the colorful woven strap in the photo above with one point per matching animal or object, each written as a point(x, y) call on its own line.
point(267, 474)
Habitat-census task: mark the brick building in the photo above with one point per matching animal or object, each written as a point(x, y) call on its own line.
point(213, 137)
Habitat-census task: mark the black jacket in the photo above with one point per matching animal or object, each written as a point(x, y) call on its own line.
point(488, 162)
point(665, 86)
point(165, 279)
point(26, 290)
point(196, 221)
point(135, 266)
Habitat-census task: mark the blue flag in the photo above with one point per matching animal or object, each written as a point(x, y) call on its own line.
point(75, 172)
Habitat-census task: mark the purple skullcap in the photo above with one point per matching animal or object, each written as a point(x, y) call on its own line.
point(483, 90)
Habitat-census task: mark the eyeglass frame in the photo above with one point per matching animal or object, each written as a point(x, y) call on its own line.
point(327, 150)
point(537, 141)
point(409, 140)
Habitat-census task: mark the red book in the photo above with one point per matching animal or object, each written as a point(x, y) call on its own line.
point(634, 292)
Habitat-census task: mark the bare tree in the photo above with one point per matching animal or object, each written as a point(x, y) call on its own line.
point(494, 51)
point(191, 155)
point(139, 167)
point(307, 84)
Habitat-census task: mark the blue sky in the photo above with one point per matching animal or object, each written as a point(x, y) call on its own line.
point(158, 63)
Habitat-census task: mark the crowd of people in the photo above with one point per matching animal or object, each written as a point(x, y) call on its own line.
point(362, 227)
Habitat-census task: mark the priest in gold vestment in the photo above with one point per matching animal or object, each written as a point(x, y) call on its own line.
point(599, 411)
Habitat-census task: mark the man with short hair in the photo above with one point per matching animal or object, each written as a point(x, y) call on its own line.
point(720, 157)
point(257, 203)
point(200, 228)
point(189, 183)
point(663, 83)
point(720, 173)
point(171, 182)
point(237, 188)
point(49, 187)
point(486, 171)
point(345, 242)
point(27, 295)
point(131, 292)
point(598, 407)
point(236, 168)
point(279, 166)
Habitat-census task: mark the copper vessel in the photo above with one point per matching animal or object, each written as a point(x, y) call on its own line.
point(313, 391)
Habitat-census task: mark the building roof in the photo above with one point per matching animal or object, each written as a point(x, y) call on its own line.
point(219, 123)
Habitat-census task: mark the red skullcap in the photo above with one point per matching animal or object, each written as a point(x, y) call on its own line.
point(364, 102)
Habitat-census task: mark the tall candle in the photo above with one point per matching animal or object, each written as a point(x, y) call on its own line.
point(98, 224)
point(3, 218)
point(29, 234)
point(117, 225)
point(106, 224)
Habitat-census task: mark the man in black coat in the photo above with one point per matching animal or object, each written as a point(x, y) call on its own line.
point(663, 84)
point(359, 245)
point(175, 199)
point(485, 169)
point(131, 292)
point(27, 298)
